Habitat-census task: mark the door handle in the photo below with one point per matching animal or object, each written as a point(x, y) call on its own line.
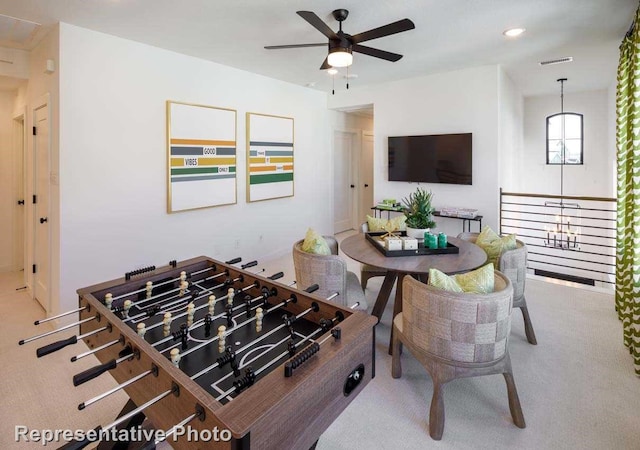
point(20, 202)
point(44, 219)
point(352, 186)
point(366, 185)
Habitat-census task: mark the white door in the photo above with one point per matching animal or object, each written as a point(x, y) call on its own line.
point(344, 183)
point(41, 257)
point(366, 176)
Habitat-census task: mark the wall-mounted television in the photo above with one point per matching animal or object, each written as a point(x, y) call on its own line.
point(436, 158)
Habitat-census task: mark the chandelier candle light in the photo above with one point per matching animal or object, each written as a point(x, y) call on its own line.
point(562, 236)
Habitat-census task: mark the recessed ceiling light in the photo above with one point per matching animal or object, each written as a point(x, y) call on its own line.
point(513, 32)
point(332, 71)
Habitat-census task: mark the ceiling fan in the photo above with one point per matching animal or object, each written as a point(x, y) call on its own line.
point(341, 45)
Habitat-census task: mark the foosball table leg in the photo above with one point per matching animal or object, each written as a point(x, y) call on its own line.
point(134, 422)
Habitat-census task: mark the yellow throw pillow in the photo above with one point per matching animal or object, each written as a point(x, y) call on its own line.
point(479, 281)
point(314, 243)
point(395, 224)
point(494, 245)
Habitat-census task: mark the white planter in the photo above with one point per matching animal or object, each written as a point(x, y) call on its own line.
point(417, 233)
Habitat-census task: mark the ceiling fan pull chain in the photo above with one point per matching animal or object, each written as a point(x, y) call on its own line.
point(347, 77)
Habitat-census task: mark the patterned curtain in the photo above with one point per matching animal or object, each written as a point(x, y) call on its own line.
point(628, 217)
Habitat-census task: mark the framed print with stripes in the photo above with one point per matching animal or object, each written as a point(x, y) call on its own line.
point(201, 149)
point(269, 157)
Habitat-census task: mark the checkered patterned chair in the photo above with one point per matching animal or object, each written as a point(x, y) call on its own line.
point(330, 273)
point(456, 335)
point(513, 263)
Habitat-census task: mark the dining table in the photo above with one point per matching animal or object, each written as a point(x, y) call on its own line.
point(361, 249)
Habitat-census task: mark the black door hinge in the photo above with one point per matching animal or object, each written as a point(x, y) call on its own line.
point(34, 200)
point(33, 269)
point(34, 131)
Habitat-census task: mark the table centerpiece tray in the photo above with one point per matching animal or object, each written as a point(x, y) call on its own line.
point(375, 238)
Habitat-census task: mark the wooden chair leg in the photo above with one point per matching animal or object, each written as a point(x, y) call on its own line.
point(364, 277)
point(514, 400)
point(436, 412)
point(396, 350)
point(528, 326)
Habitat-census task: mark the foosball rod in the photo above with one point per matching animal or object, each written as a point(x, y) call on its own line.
point(58, 345)
point(151, 445)
point(173, 280)
point(207, 291)
point(49, 333)
point(129, 382)
point(38, 322)
point(77, 445)
point(97, 349)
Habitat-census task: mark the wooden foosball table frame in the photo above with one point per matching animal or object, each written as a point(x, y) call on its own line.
point(276, 412)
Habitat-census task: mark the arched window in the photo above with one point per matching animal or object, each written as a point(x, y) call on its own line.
point(564, 139)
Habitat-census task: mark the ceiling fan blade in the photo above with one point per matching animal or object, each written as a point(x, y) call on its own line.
point(392, 28)
point(376, 53)
point(325, 64)
point(317, 23)
point(277, 47)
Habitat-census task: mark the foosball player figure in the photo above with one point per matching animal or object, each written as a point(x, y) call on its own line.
point(191, 309)
point(221, 338)
point(108, 300)
point(259, 316)
point(142, 329)
point(127, 306)
point(175, 356)
point(166, 329)
point(207, 325)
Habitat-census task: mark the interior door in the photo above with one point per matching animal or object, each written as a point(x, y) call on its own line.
point(366, 176)
point(344, 183)
point(41, 149)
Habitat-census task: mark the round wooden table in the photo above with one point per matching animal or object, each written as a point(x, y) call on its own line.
point(359, 248)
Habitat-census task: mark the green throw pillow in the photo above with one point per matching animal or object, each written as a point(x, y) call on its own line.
point(314, 243)
point(479, 281)
point(494, 245)
point(395, 224)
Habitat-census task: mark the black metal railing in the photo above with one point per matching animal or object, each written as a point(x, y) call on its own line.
point(568, 237)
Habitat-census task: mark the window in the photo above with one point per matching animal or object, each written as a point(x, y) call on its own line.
point(564, 138)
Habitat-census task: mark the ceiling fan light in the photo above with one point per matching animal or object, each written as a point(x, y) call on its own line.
point(340, 57)
point(332, 71)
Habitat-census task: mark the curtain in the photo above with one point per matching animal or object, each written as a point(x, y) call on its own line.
point(628, 196)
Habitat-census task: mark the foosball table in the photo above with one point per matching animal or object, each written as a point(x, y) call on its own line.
point(215, 346)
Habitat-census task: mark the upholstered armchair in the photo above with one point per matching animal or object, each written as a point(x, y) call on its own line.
point(513, 263)
point(368, 271)
point(456, 335)
point(330, 273)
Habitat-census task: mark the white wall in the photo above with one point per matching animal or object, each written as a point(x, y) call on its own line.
point(464, 101)
point(20, 63)
point(113, 161)
point(595, 176)
point(7, 183)
point(510, 123)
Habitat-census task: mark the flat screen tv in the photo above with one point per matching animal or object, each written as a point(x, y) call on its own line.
point(437, 158)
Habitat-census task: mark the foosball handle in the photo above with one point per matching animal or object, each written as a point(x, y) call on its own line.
point(77, 445)
point(233, 261)
point(275, 276)
point(55, 346)
point(249, 264)
point(312, 288)
point(93, 372)
point(300, 358)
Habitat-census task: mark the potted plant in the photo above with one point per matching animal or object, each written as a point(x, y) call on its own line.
point(418, 210)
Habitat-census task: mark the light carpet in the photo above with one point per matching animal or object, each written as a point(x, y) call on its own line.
point(577, 386)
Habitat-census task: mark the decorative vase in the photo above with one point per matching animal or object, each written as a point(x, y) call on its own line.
point(417, 233)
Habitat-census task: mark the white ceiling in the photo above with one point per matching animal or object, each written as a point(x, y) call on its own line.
point(449, 35)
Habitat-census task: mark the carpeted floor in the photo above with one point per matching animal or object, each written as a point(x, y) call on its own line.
point(577, 386)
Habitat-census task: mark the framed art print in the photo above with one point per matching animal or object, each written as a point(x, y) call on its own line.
point(269, 157)
point(201, 149)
